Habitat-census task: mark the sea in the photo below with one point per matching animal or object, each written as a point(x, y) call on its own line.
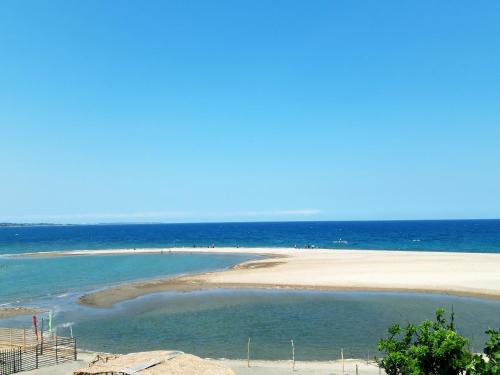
point(218, 323)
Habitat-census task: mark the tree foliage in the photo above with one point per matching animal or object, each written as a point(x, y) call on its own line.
point(491, 364)
point(435, 348)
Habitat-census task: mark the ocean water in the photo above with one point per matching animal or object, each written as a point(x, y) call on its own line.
point(451, 235)
point(217, 323)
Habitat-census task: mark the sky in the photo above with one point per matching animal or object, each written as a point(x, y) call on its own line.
point(189, 111)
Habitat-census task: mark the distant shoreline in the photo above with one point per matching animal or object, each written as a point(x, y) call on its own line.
point(33, 225)
point(463, 274)
point(14, 224)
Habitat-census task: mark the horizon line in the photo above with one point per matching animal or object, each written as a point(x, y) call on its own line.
point(46, 223)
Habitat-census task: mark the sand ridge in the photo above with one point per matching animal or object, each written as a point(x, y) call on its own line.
point(9, 312)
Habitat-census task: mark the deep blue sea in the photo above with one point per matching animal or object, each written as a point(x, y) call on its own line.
point(443, 235)
point(217, 323)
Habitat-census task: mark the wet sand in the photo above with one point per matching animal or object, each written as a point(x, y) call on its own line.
point(9, 312)
point(467, 274)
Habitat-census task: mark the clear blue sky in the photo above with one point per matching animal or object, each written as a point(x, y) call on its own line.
point(249, 110)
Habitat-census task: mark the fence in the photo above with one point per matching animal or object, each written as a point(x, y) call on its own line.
point(10, 361)
point(23, 352)
point(25, 338)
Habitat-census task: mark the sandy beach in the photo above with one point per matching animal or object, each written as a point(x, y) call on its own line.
point(240, 367)
point(467, 274)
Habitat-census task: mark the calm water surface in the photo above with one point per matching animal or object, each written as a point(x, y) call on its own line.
point(218, 323)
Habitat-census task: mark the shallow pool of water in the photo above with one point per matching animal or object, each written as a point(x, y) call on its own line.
point(218, 323)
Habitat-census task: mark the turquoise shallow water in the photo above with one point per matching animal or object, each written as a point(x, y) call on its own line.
point(28, 280)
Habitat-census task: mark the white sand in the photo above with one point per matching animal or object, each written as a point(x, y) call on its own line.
point(458, 273)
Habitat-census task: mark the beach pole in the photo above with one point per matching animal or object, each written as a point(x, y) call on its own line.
point(35, 329)
point(293, 356)
point(248, 353)
point(342, 356)
point(41, 348)
point(356, 369)
point(74, 348)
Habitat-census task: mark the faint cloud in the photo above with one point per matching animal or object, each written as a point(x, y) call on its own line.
point(302, 212)
point(160, 215)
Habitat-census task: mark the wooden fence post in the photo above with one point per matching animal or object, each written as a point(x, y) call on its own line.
point(356, 369)
point(19, 360)
point(342, 356)
point(74, 343)
point(57, 358)
point(248, 353)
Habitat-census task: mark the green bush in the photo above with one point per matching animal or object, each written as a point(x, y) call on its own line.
point(491, 365)
point(435, 348)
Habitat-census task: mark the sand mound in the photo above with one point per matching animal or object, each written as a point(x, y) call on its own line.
point(153, 363)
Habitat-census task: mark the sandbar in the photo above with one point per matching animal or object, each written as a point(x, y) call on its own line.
point(463, 274)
